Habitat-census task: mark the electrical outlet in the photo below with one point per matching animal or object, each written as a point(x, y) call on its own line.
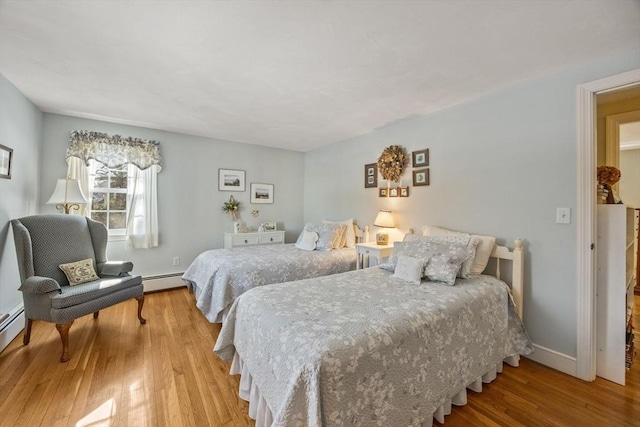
point(563, 216)
point(176, 260)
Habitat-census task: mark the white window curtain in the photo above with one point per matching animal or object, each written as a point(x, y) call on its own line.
point(143, 161)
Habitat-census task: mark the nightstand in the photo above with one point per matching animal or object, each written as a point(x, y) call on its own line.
point(364, 251)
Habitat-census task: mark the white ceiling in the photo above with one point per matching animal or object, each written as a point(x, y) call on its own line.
point(296, 75)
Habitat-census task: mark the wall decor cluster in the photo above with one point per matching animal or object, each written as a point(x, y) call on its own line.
point(6, 155)
point(235, 180)
point(420, 159)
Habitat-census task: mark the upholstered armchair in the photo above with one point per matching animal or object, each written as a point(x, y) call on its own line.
point(43, 243)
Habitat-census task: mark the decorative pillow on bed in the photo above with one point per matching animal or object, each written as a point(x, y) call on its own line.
point(329, 235)
point(469, 241)
point(444, 268)
point(483, 250)
point(308, 241)
point(409, 269)
point(444, 265)
point(349, 239)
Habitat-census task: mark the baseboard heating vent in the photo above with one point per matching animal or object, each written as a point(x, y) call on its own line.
point(162, 282)
point(10, 325)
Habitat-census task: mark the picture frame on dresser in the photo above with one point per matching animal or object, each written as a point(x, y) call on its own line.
point(231, 180)
point(261, 193)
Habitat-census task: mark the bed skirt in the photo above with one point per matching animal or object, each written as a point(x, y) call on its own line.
point(259, 409)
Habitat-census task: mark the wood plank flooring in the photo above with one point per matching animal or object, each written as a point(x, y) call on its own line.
point(165, 374)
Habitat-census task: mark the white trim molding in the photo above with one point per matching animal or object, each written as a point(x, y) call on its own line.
point(553, 359)
point(586, 216)
point(11, 326)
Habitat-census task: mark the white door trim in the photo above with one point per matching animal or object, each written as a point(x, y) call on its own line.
point(586, 216)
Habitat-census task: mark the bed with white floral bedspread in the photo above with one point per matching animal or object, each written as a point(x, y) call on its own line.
point(365, 349)
point(219, 276)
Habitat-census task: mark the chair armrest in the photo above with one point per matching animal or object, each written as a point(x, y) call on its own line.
point(114, 268)
point(39, 285)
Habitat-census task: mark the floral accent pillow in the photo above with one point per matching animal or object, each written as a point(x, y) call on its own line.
point(468, 240)
point(79, 272)
point(409, 269)
point(444, 258)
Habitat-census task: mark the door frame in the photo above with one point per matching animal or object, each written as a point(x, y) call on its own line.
point(586, 216)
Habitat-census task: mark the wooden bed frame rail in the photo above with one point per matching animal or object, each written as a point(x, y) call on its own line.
point(516, 256)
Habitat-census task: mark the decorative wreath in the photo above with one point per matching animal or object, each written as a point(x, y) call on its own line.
point(392, 163)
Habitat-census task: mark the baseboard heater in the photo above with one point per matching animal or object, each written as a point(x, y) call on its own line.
point(10, 325)
point(163, 282)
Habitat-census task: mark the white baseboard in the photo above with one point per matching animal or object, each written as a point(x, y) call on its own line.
point(11, 331)
point(554, 359)
point(166, 281)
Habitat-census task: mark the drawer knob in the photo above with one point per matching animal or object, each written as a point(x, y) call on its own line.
point(245, 240)
point(271, 239)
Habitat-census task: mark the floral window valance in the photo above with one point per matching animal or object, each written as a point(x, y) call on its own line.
point(114, 151)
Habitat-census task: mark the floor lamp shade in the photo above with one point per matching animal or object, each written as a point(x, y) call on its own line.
point(67, 195)
point(384, 219)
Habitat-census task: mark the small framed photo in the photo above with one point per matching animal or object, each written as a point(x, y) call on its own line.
point(420, 158)
point(420, 177)
point(231, 180)
point(269, 226)
point(404, 192)
point(393, 192)
point(261, 193)
point(6, 155)
point(383, 192)
point(371, 175)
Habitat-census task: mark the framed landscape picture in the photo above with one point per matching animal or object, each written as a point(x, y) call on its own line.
point(6, 155)
point(371, 175)
point(261, 193)
point(231, 180)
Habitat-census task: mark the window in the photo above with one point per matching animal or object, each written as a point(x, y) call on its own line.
point(108, 188)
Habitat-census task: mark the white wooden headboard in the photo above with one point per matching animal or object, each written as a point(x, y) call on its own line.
point(516, 256)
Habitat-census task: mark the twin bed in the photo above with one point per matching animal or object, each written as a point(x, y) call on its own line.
point(366, 348)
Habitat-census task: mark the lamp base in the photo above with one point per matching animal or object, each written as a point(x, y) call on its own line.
point(382, 238)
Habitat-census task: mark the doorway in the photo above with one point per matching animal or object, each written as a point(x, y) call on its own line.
point(586, 216)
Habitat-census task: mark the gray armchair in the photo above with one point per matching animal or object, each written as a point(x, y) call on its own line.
point(43, 242)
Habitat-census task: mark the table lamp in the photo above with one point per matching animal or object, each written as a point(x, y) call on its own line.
point(67, 195)
point(383, 220)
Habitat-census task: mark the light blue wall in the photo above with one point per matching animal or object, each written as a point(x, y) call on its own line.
point(21, 130)
point(500, 165)
point(189, 202)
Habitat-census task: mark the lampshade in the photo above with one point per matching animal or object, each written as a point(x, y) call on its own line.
point(67, 195)
point(384, 220)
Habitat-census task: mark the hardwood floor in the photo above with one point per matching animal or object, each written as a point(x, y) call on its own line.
point(165, 374)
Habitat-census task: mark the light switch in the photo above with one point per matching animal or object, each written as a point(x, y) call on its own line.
point(563, 216)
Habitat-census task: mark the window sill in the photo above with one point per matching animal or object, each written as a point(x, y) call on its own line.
point(117, 238)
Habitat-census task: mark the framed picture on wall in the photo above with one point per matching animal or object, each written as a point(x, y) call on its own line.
point(261, 193)
point(420, 177)
point(383, 192)
point(371, 175)
point(231, 180)
point(404, 192)
point(420, 158)
point(393, 192)
point(6, 155)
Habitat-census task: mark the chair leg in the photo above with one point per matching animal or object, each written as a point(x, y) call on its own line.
point(140, 304)
point(27, 331)
point(95, 315)
point(63, 329)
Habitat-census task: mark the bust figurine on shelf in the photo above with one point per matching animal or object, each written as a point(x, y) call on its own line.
point(607, 177)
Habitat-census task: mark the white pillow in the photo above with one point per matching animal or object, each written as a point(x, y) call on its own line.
point(409, 269)
point(308, 240)
point(350, 235)
point(483, 250)
point(329, 235)
point(471, 242)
